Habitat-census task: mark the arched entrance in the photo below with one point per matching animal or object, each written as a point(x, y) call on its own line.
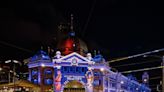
point(74, 86)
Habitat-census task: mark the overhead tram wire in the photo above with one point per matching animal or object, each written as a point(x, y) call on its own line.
point(144, 69)
point(137, 55)
point(14, 46)
point(123, 65)
point(154, 78)
point(89, 17)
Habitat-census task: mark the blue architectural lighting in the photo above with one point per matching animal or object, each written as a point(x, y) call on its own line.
point(91, 74)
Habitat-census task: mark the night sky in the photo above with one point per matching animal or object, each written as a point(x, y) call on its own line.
point(115, 27)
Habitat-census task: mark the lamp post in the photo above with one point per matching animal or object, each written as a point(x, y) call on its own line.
point(14, 62)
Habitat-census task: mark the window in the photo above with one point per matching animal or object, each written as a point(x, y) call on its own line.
point(97, 74)
point(106, 82)
point(34, 72)
point(48, 81)
point(47, 71)
point(96, 82)
point(65, 69)
point(77, 69)
point(35, 81)
point(71, 69)
point(83, 69)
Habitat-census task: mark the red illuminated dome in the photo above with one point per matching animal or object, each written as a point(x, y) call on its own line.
point(72, 44)
point(67, 46)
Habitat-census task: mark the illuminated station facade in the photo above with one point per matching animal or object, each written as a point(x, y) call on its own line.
point(75, 71)
point(72, 69)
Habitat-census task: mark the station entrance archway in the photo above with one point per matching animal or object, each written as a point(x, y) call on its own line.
point(74, 86)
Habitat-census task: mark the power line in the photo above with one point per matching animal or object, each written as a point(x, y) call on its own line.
point(137, 55)
point(135, 63)
point(144, 69)
point(17, 47)
point(89, 17)
point(154, 78)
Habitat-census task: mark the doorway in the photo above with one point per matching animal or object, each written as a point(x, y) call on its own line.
point(74, 86)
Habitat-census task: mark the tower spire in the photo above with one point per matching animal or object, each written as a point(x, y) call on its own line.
point(71, 27)
point(72, 32)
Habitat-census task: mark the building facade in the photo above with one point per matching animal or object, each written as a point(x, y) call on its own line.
point(72, 69)
point(77, 73)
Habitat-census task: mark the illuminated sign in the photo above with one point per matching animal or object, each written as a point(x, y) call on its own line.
point(70, 77)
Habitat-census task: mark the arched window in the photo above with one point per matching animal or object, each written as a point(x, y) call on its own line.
point(97, 73)
point(96, 82)
point(47, 71)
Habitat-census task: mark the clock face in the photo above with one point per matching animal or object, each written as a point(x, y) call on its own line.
point(74, 61)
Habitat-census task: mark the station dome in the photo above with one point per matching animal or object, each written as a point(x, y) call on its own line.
point(72, 44)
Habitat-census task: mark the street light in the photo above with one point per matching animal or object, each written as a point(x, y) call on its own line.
point(14, 62)
point(162, 65)
point(102, 69)
point(0, 69)
point(122, 82)
point(42, 65)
